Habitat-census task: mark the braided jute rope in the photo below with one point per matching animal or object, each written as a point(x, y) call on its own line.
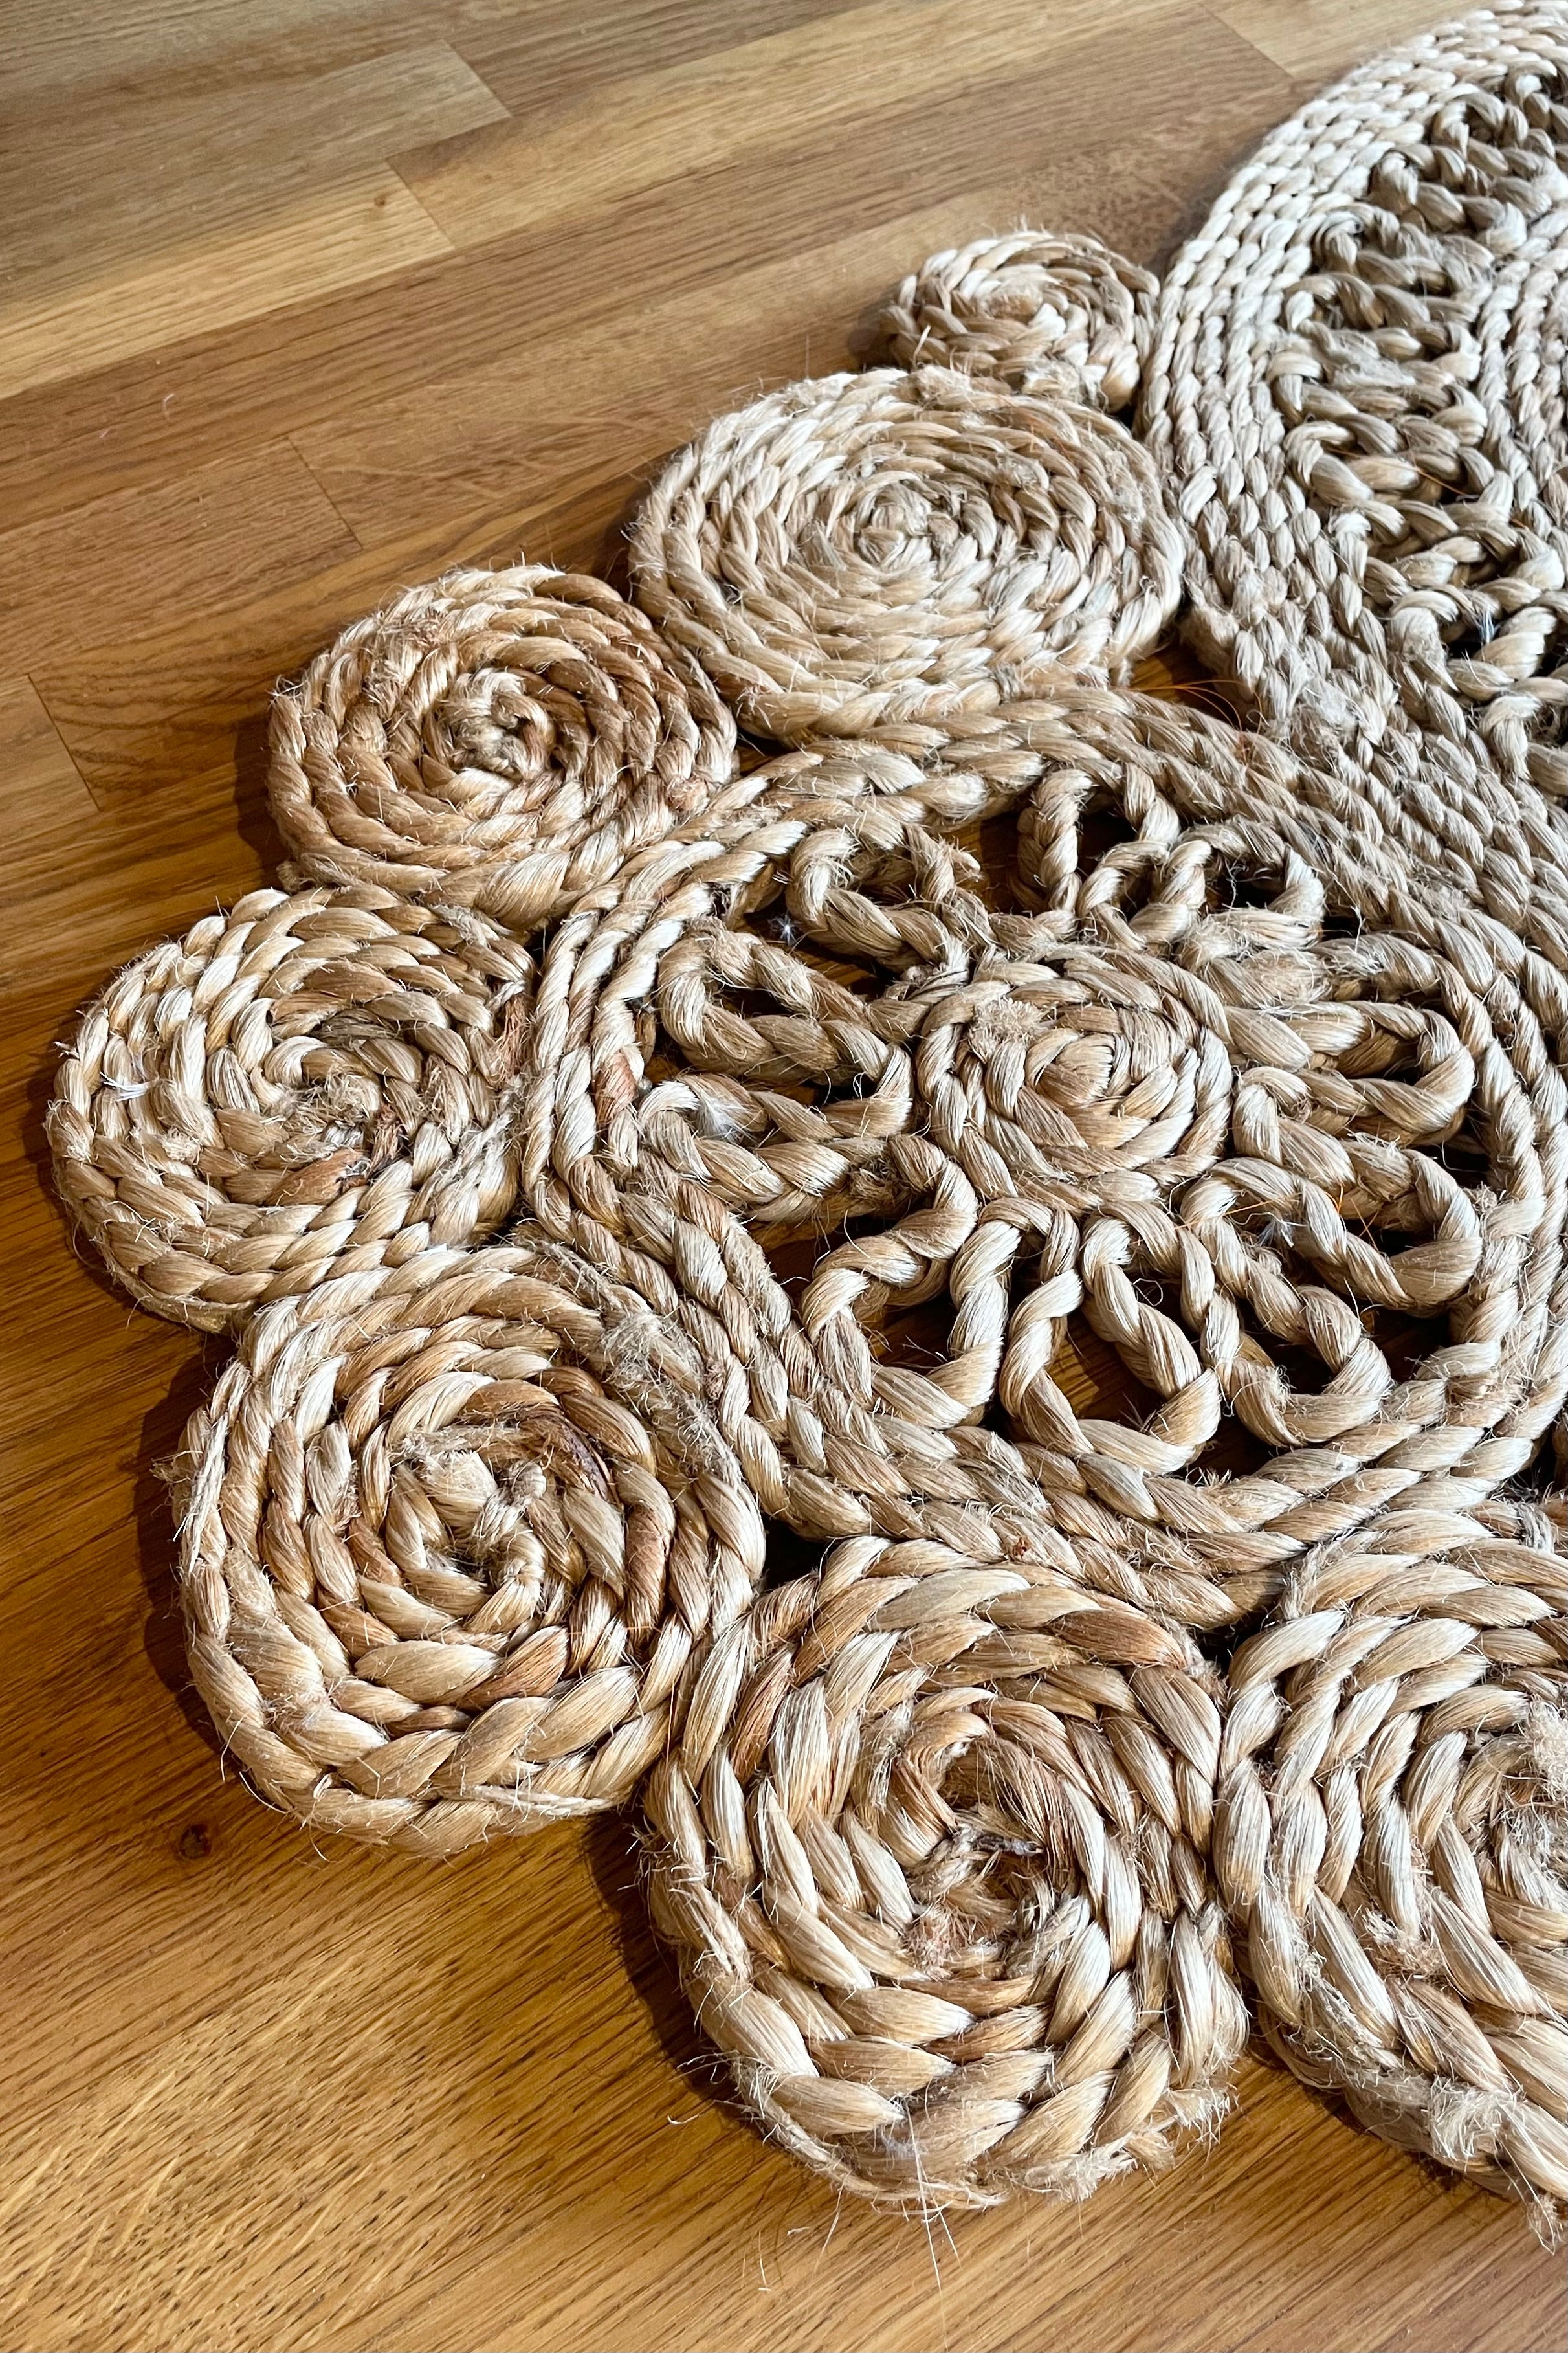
point(449, 1538)
point(889, 550)
point(933, 1852)
point(1356, 398)
point(1391, 1836)
point(316, 1083)
point(1045, 314)
point(496, 740)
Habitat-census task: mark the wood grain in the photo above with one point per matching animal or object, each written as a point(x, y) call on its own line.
point(752, 100)
point(140, 176)
point(258, 2096)
point(218, 271)
point(1318, 38)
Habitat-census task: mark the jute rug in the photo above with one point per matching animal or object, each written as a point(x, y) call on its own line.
point(716, 1063)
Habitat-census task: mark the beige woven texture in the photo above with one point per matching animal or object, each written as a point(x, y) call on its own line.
point(1356, 399)
point(1048, 314)
point(621, 1161)
point(888, 551)
point(1393, 1834)
point(497, 739)
point(449, 1541)
point(314, 1083)
point(936, 1873)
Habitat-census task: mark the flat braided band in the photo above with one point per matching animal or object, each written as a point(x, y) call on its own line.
point(1226, 1095)
point(932, 1850)
point(1356, 398)
point(1045, 314)
point(877, 552)
point(450, 1538)
point(316, 1083)
point(495, 740)
point(1391, 1836)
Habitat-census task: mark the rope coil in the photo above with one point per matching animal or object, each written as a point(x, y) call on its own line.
point(931, 1852)
point(449, 1540)
point(496, 740)
point(867, 554)
point(1391, 1837)
point(318, 1083)
point(1045, 314)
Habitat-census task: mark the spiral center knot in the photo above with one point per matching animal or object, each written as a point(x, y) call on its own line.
point(1080, 1076)
point(1120, 1077)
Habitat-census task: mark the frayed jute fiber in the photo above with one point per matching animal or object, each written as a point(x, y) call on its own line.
point(1084, 1179)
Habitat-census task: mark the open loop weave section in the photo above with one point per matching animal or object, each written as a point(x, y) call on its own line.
point(497, 739)
point(1267, 1118)
point(1356, 398)
point(932, 1853)
point(448, 1542)
point(1094, 1173)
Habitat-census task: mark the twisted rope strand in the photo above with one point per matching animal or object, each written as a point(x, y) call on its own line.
point(1391, 1837)
point(868, 553)
point(318, 1083)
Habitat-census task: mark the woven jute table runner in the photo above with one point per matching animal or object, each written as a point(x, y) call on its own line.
point(720, 1061)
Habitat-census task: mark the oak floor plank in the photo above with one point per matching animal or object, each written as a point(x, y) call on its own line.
point(649, 130)
point(1317, 39)
point(1041, 144)
point(542, 56)
point(261, 257)
point(262, 2094)
point(60, 51)
point(261, 518)
point(153, 170)
point(43, 807)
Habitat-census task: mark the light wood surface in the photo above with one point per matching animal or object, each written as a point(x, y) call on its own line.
point(298, 301)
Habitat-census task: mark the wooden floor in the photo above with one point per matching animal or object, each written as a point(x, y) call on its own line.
point(298, 301)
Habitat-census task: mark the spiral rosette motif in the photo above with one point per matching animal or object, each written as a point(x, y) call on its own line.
point(1047, 315)
point(448, 1541)
point(1357, 394)
point(1392, 1835)
point(1265, 1120)
point(931, 1849)
point(496, 740)
point(889, 552)
point(314, 1084)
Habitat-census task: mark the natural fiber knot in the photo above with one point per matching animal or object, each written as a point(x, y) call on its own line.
point(1049, 315)
point(316, 1083)
point(442, 1576)
point(1080, 1088)
point(886, 552)
point(1393, 1842)
point(497, 739)
point(931, 1847)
